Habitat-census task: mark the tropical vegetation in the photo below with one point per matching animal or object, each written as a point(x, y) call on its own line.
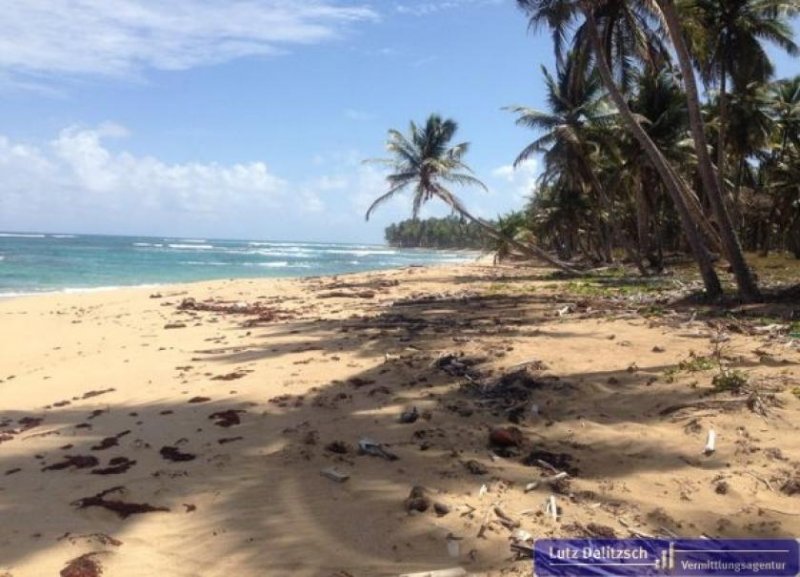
point(664, 133)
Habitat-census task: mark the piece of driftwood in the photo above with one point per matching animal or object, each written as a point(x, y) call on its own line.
point(485, 521)
point(546, 480)
point(547, 465)
point(504, 519)
point(762, 479)
point(334, 475)
point(721, 404)
point(452, 572)
point(522, 550)
point(633, 531)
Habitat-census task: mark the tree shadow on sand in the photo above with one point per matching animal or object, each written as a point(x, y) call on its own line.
point(241, 477)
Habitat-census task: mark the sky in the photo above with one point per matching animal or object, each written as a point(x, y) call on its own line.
point(251, 119)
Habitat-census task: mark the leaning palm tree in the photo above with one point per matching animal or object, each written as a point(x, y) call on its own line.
point(610, 29)
point(568, 131)
point(424, 160)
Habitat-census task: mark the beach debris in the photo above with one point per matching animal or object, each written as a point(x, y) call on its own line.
point(505, 437)
point(483, 490)
point(84, 566)
point(338, 447)
point(476, 467)
point(230, 376)
point(711, 443)
point(409, 415)
point(374, 448)
point(417, 500)
point(199, 400)
point(226, 440)
point(552, 479)
point(441, 509)
point(555, 462)
point(175, 326)
point(121, 508)
point(453, 545)
point(334, 475)
point(521, 535)
point(522, 551)
point(90, 394)
point(109, 442)
point(459, 365)
point(100, 538)
point(452, 572)
point(116, 466)
point(505, 519)
point(341, 294)
point(227, 418)
point(175, 454)
point(551, 508)
point(76, 461)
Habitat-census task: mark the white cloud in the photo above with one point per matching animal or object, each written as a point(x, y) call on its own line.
point(77, 177)
point(124, 37)
point(521, 181)
point(418, 8)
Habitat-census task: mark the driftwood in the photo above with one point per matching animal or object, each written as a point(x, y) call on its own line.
point(547, 480)
point(453, 572)
point(504, 519)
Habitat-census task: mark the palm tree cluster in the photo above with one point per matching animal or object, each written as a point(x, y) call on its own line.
point(639, 159)
point(451, 232)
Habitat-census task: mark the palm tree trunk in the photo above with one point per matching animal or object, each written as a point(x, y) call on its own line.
point(748, 289)
point(670, 179)
point(723, 117)
point(525, 248)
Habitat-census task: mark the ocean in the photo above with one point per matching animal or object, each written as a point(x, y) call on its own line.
point(32, 263)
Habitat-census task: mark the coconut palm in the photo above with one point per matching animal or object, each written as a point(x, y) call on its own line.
point(610, 27)
point(425, 161)
point(727, 40)
point(569, 131)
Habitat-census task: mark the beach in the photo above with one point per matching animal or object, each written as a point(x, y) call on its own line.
point(184, 429)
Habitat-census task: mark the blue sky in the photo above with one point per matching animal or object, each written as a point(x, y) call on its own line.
point(249, 119)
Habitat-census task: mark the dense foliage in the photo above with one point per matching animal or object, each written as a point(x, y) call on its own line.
point(451, 232)
point(664, 131)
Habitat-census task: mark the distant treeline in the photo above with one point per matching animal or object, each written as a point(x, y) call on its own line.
point(451, 232)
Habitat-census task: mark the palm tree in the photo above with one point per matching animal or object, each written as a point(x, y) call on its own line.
point(727, 42)
point(570, 130)
point(713, 185)
point(424, 160)
point(622, 23)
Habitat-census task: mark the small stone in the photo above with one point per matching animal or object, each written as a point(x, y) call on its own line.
point(658, 349)
point(722, 488)
point(505, 437)
point(441, 509)
point(475, 467)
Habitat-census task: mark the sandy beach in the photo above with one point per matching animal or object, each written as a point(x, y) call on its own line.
point(183, 430)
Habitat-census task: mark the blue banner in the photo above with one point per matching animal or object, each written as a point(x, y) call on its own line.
point(666, 557)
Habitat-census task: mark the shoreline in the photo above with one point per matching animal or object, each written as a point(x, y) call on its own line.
point(216, 419)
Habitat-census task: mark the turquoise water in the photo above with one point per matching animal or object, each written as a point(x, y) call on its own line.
point(36, 263)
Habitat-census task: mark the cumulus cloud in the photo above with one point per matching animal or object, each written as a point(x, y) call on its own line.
point(123, 37)
point(77, 177)
point(521, 181)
